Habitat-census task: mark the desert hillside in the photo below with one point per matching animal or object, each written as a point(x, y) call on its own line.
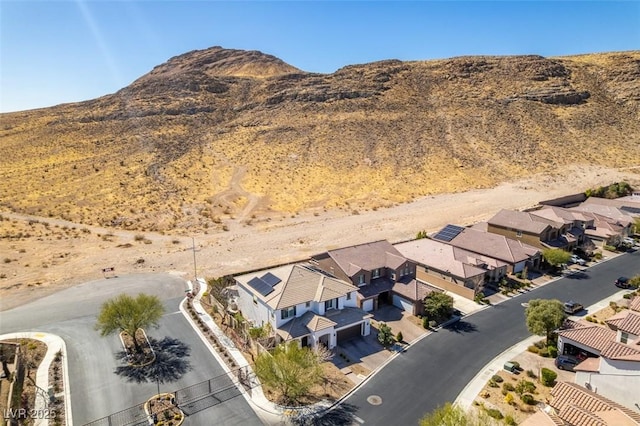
point(218, 137)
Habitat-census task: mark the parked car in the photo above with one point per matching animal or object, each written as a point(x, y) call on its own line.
point(578, 260)
point(566, 362)
point(628, 240)
point(572, 307)
point(623, 282)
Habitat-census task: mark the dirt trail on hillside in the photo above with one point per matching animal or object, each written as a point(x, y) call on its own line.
point(60, 254)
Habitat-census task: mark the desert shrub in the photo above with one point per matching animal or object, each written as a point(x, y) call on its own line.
point(139, 237)
point(508, 387)
point(492, 384)
point(495, 413)
point(497, 378)
point(525, 386)
point(509, 420)
point(540, 344)
point(399, 337)
point(609, 248)
point(590, 319)
point(531, 374)
point(528, 399)
point(425, 322)
point(508, 398)
point(597, 256)
point(544, 352)
point(553, 351)
point(548, 377)
point(533, 349)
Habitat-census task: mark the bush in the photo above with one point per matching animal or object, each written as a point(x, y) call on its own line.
point(495, 413)
point(531, 374)
point(553, 351)
point(528, 399)
point(544, 352)
point(525, 386)
point(492, 384)
point(516, 364)
point(509, 420)
point(399, 336)
point(540, 344)
point(548, 377)
point(508, 387)
point(425, 322)
point(497, 378)
point(533, 349)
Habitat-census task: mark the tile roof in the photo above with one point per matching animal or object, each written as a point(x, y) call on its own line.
point(631, 324)
point(591, 364)
point(369, 256)
point(310, 322)
point(440, 256)
point(375, 287)
point(299, 284)
point(620, 217)
point(634, 304)
point(494, 245)
point(595, 337)
point(579, 406)
point(414, 290)
point(522, 221)
point(622, 352)
point(559, 215)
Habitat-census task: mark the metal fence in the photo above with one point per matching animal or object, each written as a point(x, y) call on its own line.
point(190, 399)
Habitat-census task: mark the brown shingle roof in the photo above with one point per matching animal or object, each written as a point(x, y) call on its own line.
point(369, 256)
point(581, 407)
point(414, 290)
point(522, 221)
point(494, 245)
point(439, 256)
point(595, 337)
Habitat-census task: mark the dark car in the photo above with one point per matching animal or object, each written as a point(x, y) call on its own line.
point(623, 282)
point(566, 362)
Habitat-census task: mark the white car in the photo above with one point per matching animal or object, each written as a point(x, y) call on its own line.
point(578, 260)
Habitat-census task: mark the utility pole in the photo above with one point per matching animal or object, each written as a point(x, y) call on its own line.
point(195, 268)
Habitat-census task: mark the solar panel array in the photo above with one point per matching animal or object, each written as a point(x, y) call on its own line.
point(260, 286)
point(448, 233)
point(270, 279)
point(630, 209)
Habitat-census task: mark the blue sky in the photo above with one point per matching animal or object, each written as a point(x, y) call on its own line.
point(53, 52)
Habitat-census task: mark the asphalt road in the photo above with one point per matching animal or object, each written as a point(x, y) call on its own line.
point(437, 368)
point(96, 389)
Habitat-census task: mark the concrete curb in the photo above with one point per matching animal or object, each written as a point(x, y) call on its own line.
point(54, 345)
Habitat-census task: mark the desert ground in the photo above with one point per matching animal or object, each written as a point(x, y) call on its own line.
point(43, 255)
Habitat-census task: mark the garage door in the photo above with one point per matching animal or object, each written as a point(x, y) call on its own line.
point(402, 303)
point(367, 305)
point(348, 333)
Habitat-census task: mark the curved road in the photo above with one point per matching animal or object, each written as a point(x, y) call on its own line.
point(96, 391)
point(437, 368)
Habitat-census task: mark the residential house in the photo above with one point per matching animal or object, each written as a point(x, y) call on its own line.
point(629, 204)
point(575, 405)
point(612, 222)
point(380, 272)
point(451, 268)
point(302, 303)
point(613, 366)
point(514, 253)
point(535, 230)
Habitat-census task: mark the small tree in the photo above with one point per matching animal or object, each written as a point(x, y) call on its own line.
point(453, 415)
point(399, 337)
point(385, 335)
point(128, 314)
point(543, 316)
point(438, 306)
point(635, 281)
point(291, 370)
point(548, 377)
point(556, 257)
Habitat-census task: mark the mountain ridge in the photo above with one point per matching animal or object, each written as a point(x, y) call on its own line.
point(217, 135)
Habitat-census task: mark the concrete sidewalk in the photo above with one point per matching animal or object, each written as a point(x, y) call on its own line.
point(54, 344)
point(473, 388)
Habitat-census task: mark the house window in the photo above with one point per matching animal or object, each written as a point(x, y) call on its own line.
point(348, 296)
point(255, 300)
point(361, 279)
point(306, 305)
point(518, 233)
point(329, 304)
point(375, 273)
point(405, 271)
point(288, 313)
point(624, 337)
point(393, 275)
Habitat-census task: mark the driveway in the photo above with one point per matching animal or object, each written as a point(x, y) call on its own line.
point(360, 356)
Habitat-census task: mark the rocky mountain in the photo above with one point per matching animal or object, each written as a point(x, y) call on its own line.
point(217, 135)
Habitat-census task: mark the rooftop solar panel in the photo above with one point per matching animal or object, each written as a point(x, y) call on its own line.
point(260, 286)
point(448, 233)
point(630, 209)
point(270, 279)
